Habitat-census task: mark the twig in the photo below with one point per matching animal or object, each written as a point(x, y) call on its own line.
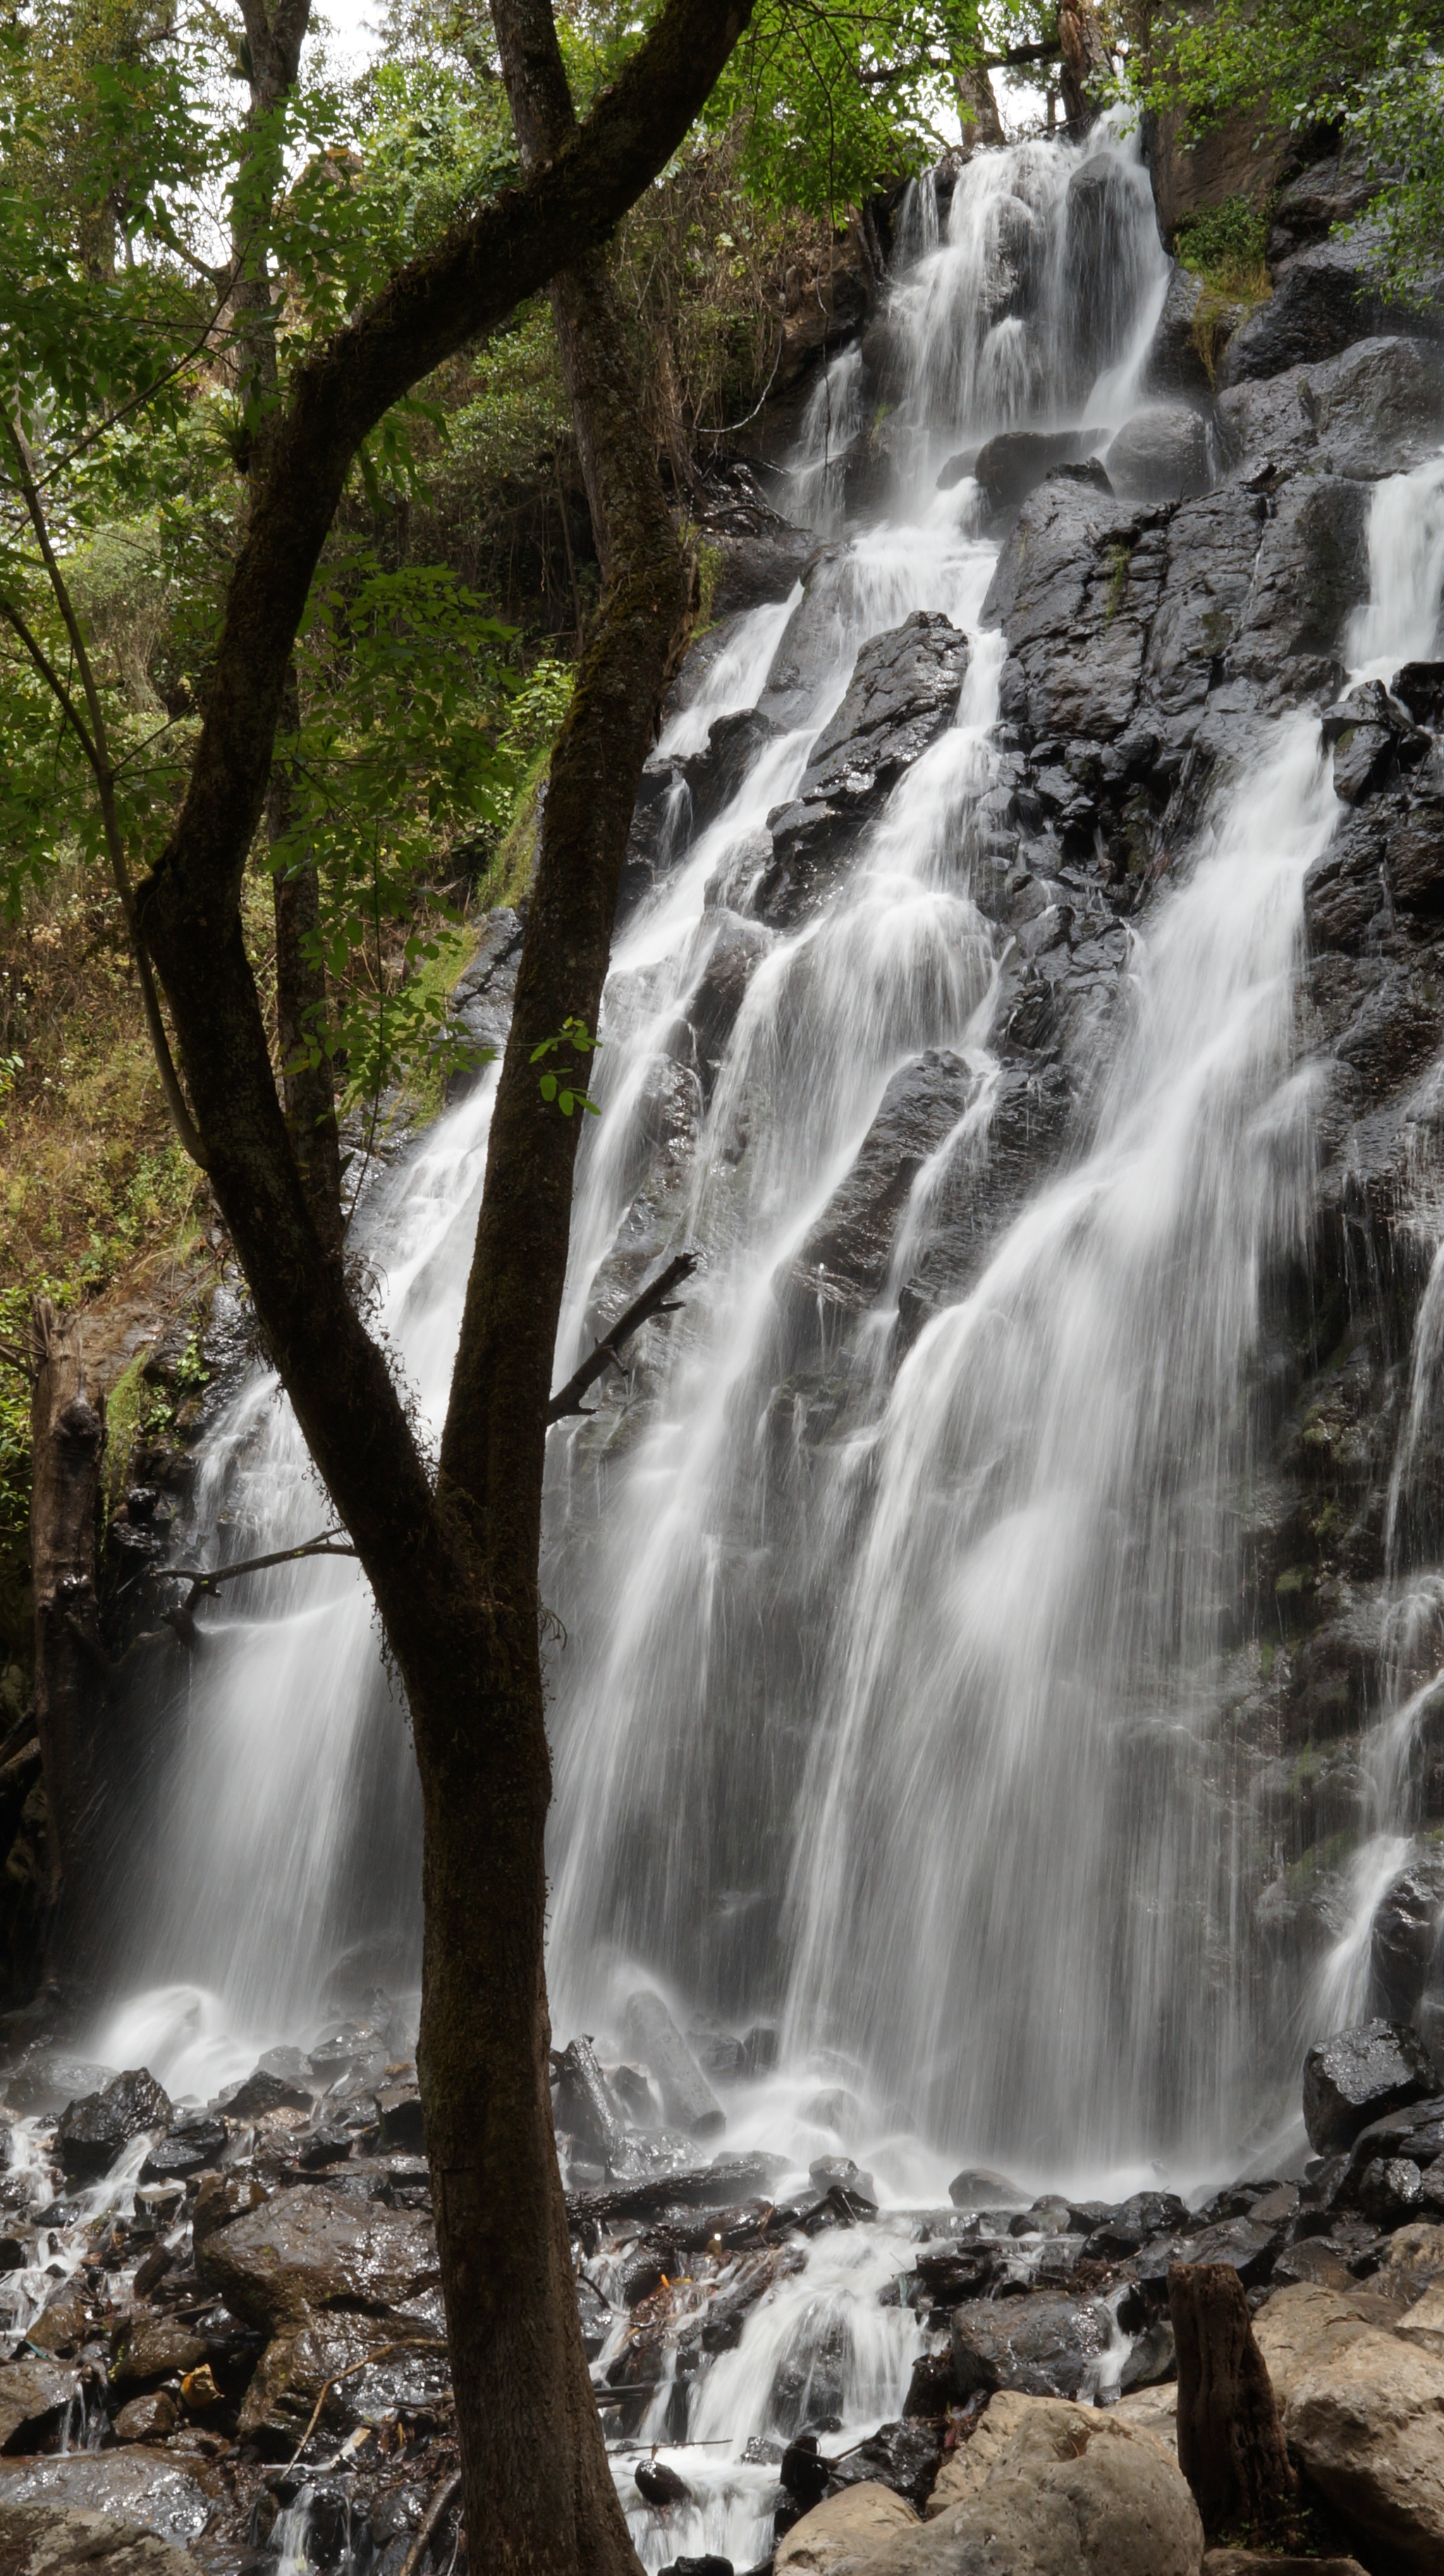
point(201, 1581)
point(729, 427)
point(434, 2512)
point(405, 2343)
point(656, 1300)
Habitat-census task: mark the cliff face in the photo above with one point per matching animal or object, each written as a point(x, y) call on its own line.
point(1158, 610)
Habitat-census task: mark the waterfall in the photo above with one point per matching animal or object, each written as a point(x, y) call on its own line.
point(890, 1705)
point(909, 1735)
point(1042, 1578)
point(1400, 623)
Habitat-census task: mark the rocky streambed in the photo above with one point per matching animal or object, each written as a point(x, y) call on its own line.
point(224, 2329)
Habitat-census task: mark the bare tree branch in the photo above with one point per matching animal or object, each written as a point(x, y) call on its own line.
point(203, 1581)
point(656, 1300)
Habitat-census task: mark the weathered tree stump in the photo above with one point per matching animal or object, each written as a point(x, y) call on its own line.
point(67, 1445)
point(1230, 2442)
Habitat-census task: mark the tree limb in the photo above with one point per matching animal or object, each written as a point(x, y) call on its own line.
point(96, 745)
point(202, 1581)
point(655, 1300)
point(455, 293)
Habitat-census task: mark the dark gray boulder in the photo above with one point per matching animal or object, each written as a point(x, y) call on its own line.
point(1331, 191)
point(262, 2092)
point(845, 1257)
point(1358, 2076)
point(1129, 2225)
point(903, 693)
point(808, 645)
point(1391, 2190)
point(1416, 2131)
point(1044, 2346)
point(756, 556)
point(714, 776)
point(1406, 1945)
point(1380, 407)
point(1160, 455)
point(584, 2108)
point(1212, 547)
point(1076, 589)
point(90, 2133)
point(711, 1007)
point(1310, 574)
point(36, 2396)
point(1419, 686)
point(687, 2098)
point(1248, 2248)
point(1177, 369)
point(1374, 410)
point(191, 2145)
point(1014, 463)
point(903, 2456)
point(976, 2188)
point(1324, 299)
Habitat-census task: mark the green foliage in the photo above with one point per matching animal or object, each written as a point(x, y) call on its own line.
point(403, 688)
point(562, 1084)
point(1373, 70)
point(535, 715)
point(1224, 245)
point(833, 101)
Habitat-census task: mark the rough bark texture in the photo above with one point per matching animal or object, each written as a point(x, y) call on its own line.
point(67, 1435)
point(1230, 2445)
point(307, 1090)
point(977, 107)
point(523, 2387)
point(454, 1571)
point(274, 39)
point(1084, 60)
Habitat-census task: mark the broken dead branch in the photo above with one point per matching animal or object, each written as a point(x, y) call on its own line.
point(654, 1300)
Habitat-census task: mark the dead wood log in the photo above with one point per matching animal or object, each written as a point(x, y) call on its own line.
point(67, 1434)
point(1230, 2442)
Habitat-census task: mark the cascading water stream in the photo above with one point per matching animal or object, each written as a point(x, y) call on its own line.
point(1040, 1581)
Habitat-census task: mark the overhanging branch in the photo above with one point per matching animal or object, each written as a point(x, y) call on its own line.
point(656, 1300)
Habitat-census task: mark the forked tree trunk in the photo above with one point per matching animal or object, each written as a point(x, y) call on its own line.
point(67, 1435)
point(1084, 62)
point(454, 1566)
point(1230, 2443)
point(539, 2490)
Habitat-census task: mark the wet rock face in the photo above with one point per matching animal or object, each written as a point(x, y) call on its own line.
point(92, 2132)
point(756, 556)
point(1407, 1938)
point(306, 2249)
point(1324, 299)
point(1160, 455)
point(845, 1258)
point(1045, 2346)
point(1014, 463)
point(1359, 2076)
point(902, 694)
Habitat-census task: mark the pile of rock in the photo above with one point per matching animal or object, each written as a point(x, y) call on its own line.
point(229, 2330)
